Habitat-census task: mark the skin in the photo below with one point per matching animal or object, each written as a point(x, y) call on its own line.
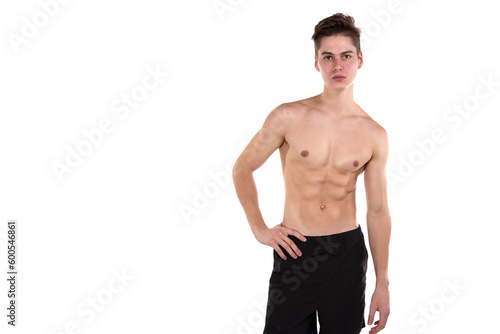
point(325, 143)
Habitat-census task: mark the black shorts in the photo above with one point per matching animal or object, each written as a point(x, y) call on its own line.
point(328, 279)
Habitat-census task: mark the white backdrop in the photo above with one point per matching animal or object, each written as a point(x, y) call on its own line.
point(120, 121)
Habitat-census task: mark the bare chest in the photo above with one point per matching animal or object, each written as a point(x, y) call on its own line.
point(343, 146)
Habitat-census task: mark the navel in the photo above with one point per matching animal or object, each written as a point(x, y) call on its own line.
point(304, 153)
point(355, 163)
point(322, 207)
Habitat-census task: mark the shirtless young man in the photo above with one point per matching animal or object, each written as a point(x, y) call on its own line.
point(325, 143)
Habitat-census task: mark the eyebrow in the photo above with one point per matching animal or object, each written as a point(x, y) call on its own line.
point(330, 53)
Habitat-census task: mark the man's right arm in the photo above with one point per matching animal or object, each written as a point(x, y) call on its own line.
point(269, 138)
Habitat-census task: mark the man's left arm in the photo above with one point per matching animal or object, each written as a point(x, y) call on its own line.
point(379, 228)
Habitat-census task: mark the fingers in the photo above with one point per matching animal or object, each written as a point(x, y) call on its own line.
point(290, 231)
point(379, 324)
point(371, 315)
point(375, 329)
point(383, 320)
point(277, 242)
point(279, 251)
point(281, 239)
point(296, 234)
point(290, 247)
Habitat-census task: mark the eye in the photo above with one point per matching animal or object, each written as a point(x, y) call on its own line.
point(347, 56)
point(328, 57)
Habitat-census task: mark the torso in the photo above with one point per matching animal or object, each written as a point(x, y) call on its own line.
point(322, 156)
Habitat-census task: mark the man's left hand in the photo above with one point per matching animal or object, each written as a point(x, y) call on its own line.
point(380, 304)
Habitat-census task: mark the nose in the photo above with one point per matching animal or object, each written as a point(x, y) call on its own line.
point(336, 65)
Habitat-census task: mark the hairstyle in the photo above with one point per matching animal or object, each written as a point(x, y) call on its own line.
point(337, 24)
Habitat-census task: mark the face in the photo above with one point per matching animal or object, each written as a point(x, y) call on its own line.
point(337, 61)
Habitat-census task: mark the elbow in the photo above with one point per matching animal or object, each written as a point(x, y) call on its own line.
point(378, 214)
point(235, 171)
point(239, 169)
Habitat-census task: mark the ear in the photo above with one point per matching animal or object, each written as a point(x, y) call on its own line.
point(316, 63)
point(360, 59)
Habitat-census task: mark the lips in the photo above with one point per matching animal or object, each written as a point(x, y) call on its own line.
point(338, 77)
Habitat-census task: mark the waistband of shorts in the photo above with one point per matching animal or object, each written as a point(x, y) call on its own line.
point(341, 235)
point(313, 241)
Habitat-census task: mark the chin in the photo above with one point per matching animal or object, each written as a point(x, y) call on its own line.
point(338, 86)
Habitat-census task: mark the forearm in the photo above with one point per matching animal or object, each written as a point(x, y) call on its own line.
point(246, 190)
point(379, 234)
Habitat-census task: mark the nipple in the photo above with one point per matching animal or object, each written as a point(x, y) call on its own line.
point(304, 153)
point(322, 207)
point(355, 163)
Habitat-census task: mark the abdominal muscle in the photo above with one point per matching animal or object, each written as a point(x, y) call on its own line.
point(319, 202)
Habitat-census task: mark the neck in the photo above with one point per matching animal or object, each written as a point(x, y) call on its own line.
point(337, 101)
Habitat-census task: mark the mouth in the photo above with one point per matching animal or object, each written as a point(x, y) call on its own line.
point(338, 77)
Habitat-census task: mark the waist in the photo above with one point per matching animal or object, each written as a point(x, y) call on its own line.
point(320, 219)
point(328, 242)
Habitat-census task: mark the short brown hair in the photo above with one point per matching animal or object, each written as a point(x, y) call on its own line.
point(337, 24)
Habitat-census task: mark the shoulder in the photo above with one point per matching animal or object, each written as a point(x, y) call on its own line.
point(286, 113)
point(292, 108)
point(379, 141)
point(376, 133)
point(376, 130)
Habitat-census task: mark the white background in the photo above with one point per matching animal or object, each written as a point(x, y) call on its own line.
point(119, 210)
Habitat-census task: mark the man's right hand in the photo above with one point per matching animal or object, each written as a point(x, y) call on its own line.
point(278, 236)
